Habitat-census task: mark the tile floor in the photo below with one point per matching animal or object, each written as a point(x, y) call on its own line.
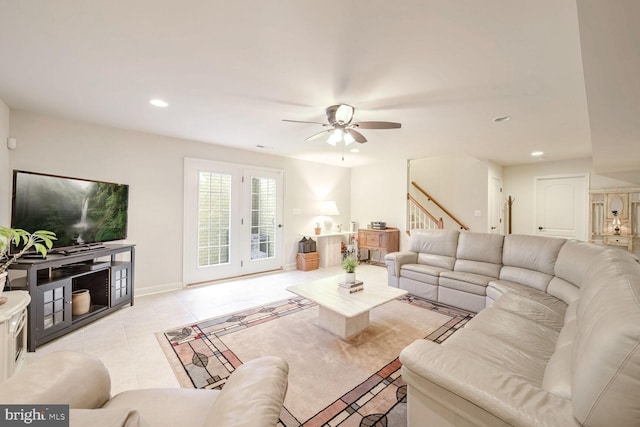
point(125, 340)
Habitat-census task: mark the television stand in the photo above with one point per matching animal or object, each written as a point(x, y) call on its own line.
point(108, 274)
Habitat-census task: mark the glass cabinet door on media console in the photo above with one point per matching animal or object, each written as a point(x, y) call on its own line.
point(120, 283)
point(53, 307)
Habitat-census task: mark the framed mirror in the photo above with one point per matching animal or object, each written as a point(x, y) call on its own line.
point(616, 205)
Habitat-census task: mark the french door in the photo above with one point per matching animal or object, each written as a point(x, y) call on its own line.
point(233, 222)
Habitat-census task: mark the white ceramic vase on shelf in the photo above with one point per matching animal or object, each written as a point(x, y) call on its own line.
point(80, 302)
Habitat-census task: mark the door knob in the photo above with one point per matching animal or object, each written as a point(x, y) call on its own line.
point(540, 228)
point(279, 225)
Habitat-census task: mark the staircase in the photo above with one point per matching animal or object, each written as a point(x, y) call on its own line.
point(419, 218)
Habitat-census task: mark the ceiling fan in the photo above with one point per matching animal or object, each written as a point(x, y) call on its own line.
point(341, 127)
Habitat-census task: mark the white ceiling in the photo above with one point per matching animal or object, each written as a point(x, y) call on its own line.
point(232, 70)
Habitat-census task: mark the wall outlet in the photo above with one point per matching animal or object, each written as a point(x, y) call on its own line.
point(477, 212)
point(296, 211)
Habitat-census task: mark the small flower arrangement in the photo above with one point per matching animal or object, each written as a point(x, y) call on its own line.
point(349, 264)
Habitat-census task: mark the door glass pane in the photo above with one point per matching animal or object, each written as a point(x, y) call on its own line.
point(214, 218)
point(263, 217)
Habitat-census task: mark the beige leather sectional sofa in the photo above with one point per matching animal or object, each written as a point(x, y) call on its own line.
point(253, 395)
point(556, 341)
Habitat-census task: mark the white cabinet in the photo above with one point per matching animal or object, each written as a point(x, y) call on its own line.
point(615, 217)
point(13, 332)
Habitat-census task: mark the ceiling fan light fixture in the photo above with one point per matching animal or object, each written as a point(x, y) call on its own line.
point(344, 113)
point(348, 138)
point(335, 137)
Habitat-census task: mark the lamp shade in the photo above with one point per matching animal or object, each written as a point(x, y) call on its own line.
point(329, 208)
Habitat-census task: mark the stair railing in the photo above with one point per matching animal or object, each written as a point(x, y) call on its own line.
point(435, 202)
point(419, 218)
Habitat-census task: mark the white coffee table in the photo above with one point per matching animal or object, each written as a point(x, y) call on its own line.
point(341, 313)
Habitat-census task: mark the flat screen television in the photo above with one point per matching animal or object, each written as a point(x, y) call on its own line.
point(79, 211)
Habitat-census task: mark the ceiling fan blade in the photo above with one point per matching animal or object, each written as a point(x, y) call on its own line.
point(318, 135)
point(378, 125)
point(302, 121)
point(356, 135)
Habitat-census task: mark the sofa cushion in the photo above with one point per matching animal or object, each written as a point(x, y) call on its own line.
point(534, 253)
point(483, 247)
point(468, 282)
point(516, 401)
point(606, 350)
point(527, 336)
point(441, 261)
point(568, 269)
point(524, 276)
point(499, 353)
point(536, 306)
point(561, 289)
point(421, 272)
point(435, 242)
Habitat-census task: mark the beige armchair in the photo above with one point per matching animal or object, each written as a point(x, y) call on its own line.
point(253, 395)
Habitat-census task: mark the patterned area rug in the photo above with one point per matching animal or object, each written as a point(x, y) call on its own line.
point(354, 382)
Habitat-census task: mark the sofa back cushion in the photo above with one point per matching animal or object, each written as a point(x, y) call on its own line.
point(479, 253)
point(435, 247)
point(606, 349)
point(574, 259)
point(530, 260)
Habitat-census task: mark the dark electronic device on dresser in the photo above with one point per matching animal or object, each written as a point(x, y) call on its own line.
point(83, 213)
point(379, 225)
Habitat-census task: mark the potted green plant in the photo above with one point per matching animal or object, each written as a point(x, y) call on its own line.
point(349, 265)
point(41, 241)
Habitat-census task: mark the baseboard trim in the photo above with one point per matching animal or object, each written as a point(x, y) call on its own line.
point(167, 287)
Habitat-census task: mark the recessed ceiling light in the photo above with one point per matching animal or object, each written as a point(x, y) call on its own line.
point(537, 153)
point(502, 119)
point(159, 103)
point(355, 150)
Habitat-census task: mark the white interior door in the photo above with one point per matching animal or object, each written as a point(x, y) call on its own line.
point(232, 218)
point(561, 206)
point(495, 205)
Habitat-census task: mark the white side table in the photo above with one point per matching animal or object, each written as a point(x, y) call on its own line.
point(13, 332)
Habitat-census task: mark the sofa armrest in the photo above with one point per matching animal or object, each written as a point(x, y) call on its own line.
point(63, 377)
point(253, 395)
point(395, 260)
point(118, 417)
point(506, 396)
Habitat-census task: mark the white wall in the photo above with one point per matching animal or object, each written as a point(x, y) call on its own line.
point(379, 193)
point(153, 166)
point(518, 183)
point(459, 184)
point(5, 178)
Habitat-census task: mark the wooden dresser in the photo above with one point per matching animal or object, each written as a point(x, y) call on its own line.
point(386, 241)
